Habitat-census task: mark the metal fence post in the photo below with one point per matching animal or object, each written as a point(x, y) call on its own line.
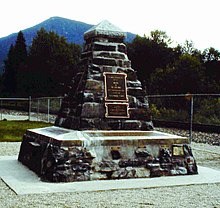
point(48, 110)
point(60, 101)
point(191, 119)
point(29, 110)
point(38, 109)
point(1, 110)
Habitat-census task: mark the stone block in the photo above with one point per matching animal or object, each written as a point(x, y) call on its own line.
point(93, 123)
point(71, 122)
point(102, 47)
point(118, 56)
point(132, 124)
point(95, 69)
point(121, 173)
point(142, 173)
point(157, 172)
point(65, 112)
point(179, 171)
point(135, 83)
point(109, 69)
point(147, 126)
point(98, 176)
point(85, 55)
point(142, 153)
point(140, 114)
point(131, 74)
point(122, 48)
point(88, 97)
point(120, 63)
point(114, 124)
point(106, 166)
point(105, 61)
point(135, 91)
point(127, 63)
point(92, 110)
point(100, 54)
point(134, 102)
point(94, 85)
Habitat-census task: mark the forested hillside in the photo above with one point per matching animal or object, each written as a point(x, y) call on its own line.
point(52, 61)
point(72, 30)
point(43, 69)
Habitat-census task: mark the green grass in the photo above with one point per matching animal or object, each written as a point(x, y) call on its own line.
point(12, 131)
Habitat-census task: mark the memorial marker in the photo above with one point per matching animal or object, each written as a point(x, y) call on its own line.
point(115, 87)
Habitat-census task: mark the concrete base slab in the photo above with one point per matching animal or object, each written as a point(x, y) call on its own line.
point(23, 181)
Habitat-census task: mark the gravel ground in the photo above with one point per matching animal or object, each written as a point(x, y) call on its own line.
point(182, 196)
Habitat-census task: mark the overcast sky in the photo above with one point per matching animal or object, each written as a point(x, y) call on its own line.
point(196, 20)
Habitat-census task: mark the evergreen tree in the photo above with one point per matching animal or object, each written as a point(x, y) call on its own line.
point(15, 62)
point(9, 77)
point(20, 49)
point(52, 61)
point(149, 53)
point(211, 58)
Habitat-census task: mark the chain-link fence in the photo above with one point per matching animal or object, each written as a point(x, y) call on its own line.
point(33, 109)
point(181, 111)
point(187, 111)
point(14, 109)
point(45, 108)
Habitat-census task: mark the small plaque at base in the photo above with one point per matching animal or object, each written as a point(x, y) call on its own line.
point(116, 110)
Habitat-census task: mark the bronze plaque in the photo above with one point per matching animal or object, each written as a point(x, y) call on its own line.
point(178, 150)
point(116, 110)
point(115, 86)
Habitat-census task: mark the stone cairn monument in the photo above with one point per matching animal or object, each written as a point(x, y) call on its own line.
point(104, 128)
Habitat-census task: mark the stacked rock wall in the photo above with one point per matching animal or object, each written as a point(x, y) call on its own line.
point(84, 106)
point(57, 160)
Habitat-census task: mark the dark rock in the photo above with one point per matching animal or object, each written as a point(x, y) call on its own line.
point(152, 165)
point(132, 75)
point(132, 125)
point(179, 171)
point(93, 86)
point(165, 156)
point(121, 173)
point(142, 152)
point(106, 166)
point(137, 92)
point(100, 47)
point(140, 114)
point(95, 69)
point(88, 97)
point(105, 61)
point(134, 84)
point(92, 110)
point(157, 172)
point(122, 48)
point(147, 126)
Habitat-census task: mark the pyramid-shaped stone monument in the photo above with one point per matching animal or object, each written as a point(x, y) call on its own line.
point(104, 129)
point(105, 94)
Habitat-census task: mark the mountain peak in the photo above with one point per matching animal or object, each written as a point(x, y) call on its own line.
point(72, 30)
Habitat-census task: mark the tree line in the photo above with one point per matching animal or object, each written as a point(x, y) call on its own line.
point(44, 67)
point(174, 70)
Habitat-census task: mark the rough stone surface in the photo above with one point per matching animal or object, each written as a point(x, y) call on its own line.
point(55, 160)
point(84, 104)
